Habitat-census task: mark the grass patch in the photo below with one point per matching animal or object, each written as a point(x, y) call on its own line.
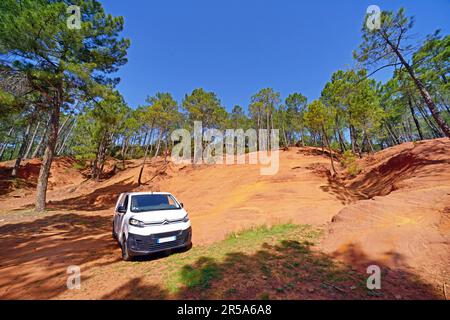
point(201, 275)
point(197, 268)
point(80, 164)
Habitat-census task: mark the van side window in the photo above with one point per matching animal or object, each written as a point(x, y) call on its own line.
point(125, 202)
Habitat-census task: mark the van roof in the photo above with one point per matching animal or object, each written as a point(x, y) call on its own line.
point(145, 192)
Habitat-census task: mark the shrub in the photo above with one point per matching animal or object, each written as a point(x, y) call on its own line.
point(348, 161)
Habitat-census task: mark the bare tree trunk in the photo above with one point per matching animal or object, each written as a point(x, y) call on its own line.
point(411, 108)
point(166, 151)
point(354, 138)
point(5, 144)
point(341, 140)
point(145, 159)
point(369, 142)
point(159, 144)
point(99, 158)
point(132, 146)
point(302, 135)
point(66, 137)
point(42, 140)
point(151, 143)
point(286, 142)
point(329, 149)
point(30, 145)
point(392, 134)
point(44, 173)
point(124, 146)
point(339, 135)
point(434, 130)
point(22, 149)
point(268, 128)
point(63, 126)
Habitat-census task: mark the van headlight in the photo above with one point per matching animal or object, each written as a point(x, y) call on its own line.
point(136, 223)
point(186, 218)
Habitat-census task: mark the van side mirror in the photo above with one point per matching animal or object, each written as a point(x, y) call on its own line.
point(121, 209)
point(181, 204)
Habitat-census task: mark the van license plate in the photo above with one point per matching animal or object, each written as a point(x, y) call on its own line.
point(168, 239)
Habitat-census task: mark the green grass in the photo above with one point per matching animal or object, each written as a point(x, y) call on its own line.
point(349, 161)
point(201, 265)
point(79, 165)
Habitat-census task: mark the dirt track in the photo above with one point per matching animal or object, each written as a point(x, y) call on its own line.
point(404, 226)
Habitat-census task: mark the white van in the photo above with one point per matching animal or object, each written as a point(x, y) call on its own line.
point(148, 222)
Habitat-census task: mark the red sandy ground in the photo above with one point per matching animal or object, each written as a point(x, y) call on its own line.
point(395, 213)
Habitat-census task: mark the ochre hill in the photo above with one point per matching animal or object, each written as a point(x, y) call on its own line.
point(396, 211)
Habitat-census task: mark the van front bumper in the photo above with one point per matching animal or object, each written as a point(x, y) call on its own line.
point(139, 245)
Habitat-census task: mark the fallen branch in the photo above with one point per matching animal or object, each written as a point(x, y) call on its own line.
point(334, 286)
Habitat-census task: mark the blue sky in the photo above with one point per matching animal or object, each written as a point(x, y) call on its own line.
point(237, 47)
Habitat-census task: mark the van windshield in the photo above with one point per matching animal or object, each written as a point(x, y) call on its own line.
point(153, 202)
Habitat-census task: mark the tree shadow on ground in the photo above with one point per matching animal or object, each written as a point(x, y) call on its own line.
point(344, 194)
point(99, 199)
point(36, 254)
point(289, 270)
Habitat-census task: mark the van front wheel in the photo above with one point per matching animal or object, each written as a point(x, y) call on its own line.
point(113, 232)
point(125, 252)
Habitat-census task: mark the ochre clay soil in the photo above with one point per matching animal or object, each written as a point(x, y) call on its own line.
point(395, 213)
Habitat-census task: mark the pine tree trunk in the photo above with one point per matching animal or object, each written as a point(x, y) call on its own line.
point(41, 193)
point(423, 92)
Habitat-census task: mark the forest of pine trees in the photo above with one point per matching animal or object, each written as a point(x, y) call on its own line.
point(58, 94)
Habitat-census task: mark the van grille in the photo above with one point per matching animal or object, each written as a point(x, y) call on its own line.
point(164, 222)
point(150, 243)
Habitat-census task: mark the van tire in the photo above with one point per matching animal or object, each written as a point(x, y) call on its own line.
point(113, 233)
point(125, 252)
